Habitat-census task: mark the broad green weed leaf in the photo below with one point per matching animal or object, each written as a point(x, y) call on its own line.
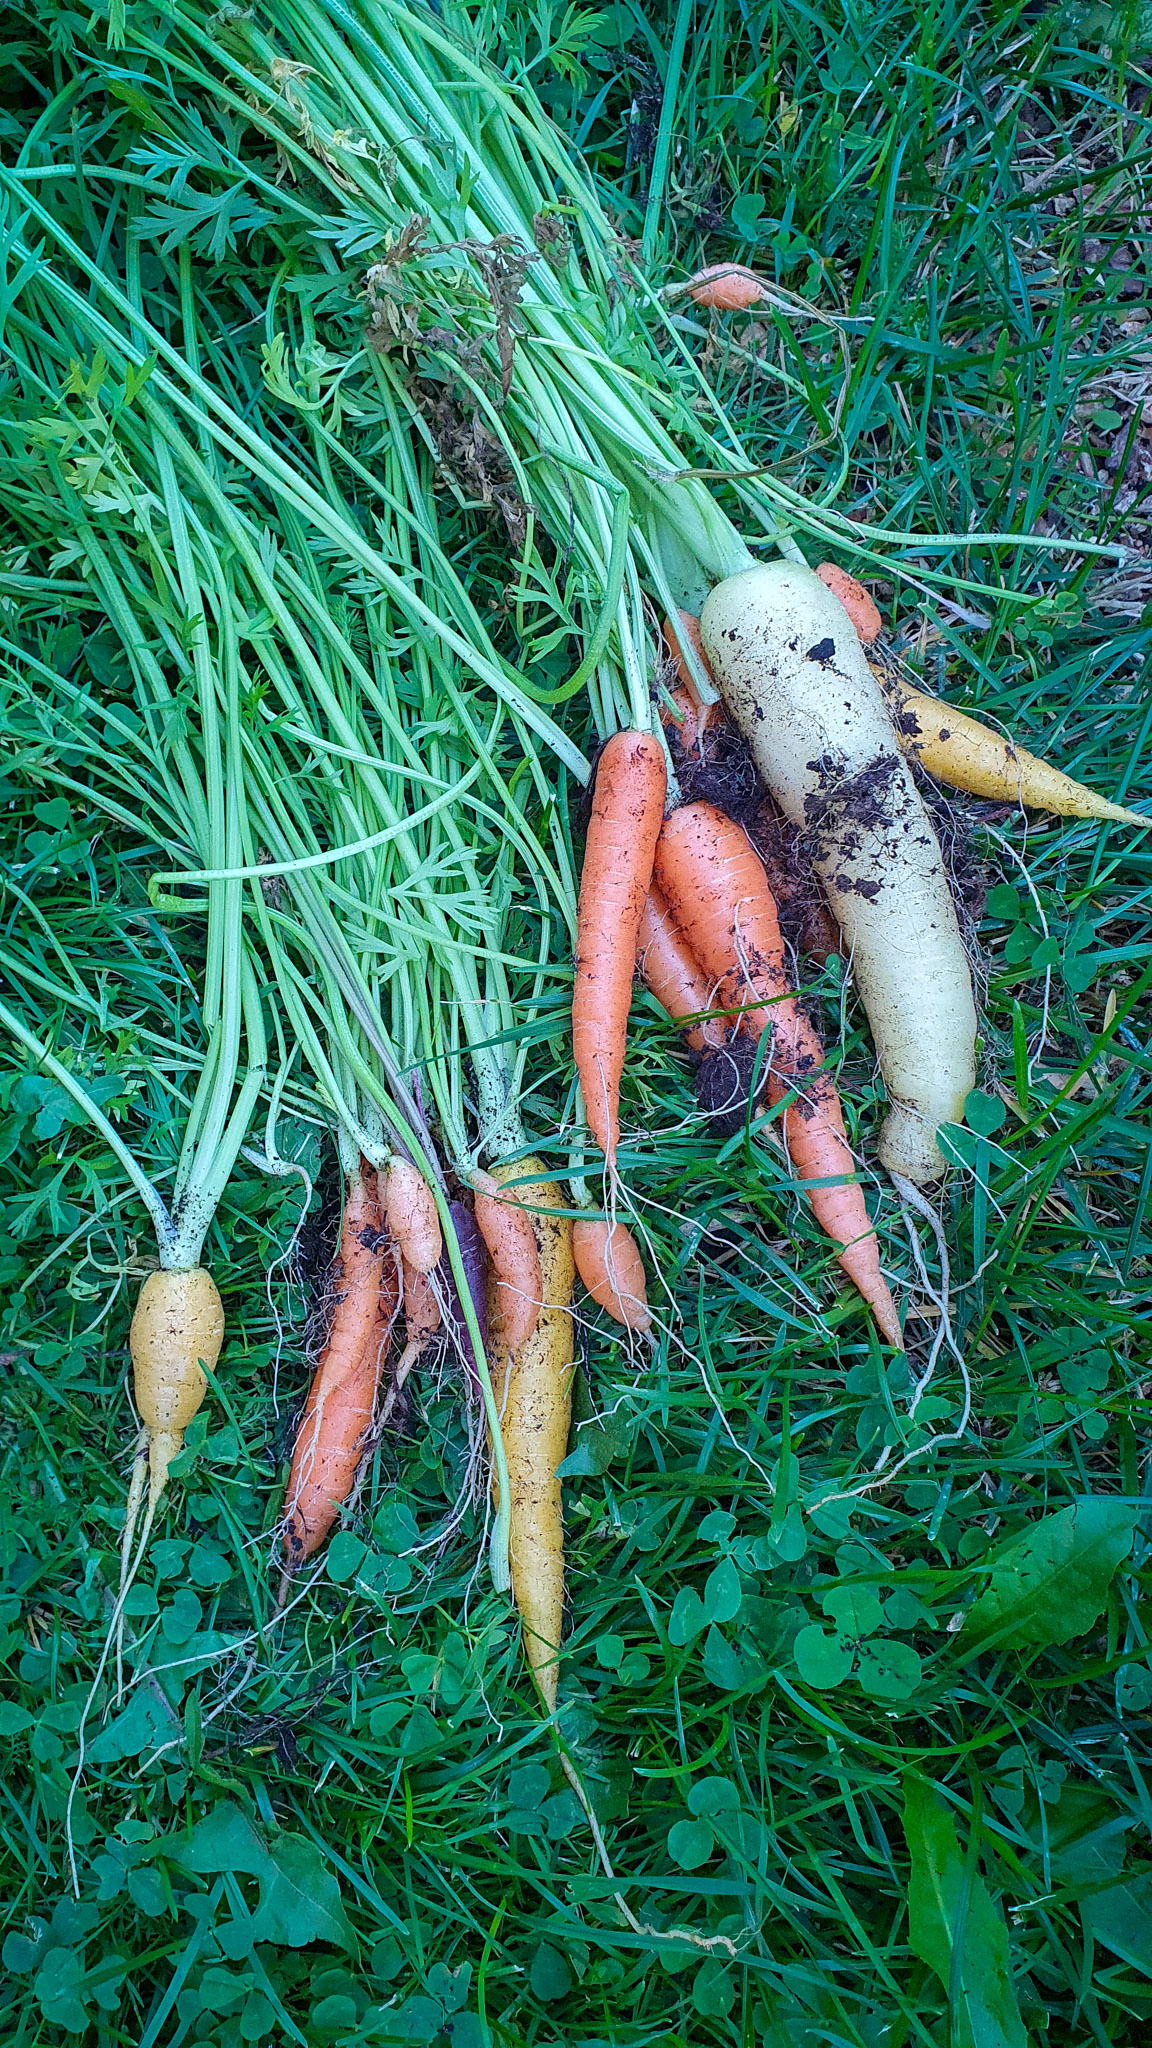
point(822, 1659)
point(549, 1975)
point(722, 1594)
point(687, 1617)
point(729, 1666)
point(299, 1896)
point(346, 1554)
point(889, 1670)
point(854, 1610)
point(60, 1989)
point(529, 1785)
point(1050, 1583)
point(946, 1911)
point(144, 1724)
point(713, 1990)
point(690, 1843)
point(712, 1796)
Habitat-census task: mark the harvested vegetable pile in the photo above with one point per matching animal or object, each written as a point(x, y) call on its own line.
point(616, 1150)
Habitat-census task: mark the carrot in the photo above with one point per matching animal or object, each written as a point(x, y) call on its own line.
point(421, 1307)
point(718, 893)
point(410, 1217)
point(342, 1397)
point(671, 970)
point(612, 1270)
point(695, 715)
point(177, 1326)
point(725, 287)
point(533, 1386)
point(855, 600)
point(516, 1285)
point(627, 811)
point(421, 1322)
point(960, 750)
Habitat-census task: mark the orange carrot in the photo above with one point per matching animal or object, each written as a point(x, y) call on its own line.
point(342, 1396)
point(855, 600)
point(671, 970)
point(612, 1270)
point(421, 1322)
point(421, 1307)
point(410, 1215)
point(695, 717)
point(718, 893)
point(507, 1231)
point(728, 287)
point(627, 812)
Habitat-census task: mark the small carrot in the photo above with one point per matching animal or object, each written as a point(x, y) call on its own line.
point(627, 812)
point(718, 893)
point(422, 1318)
point(612, 1270)
point(410, 1215)
point(855, 600)
point(726, 287)
point(695, 715)
point(671, 970)
point(342, 1397)
point(507, 1231)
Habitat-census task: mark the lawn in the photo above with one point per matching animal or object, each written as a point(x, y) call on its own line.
point(855, 1676)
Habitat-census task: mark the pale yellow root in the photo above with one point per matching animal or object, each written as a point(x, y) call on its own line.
point(177, 1327)
point(533, 1390)
point(959, 750)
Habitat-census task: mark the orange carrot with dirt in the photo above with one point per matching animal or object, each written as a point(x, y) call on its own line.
point(669, 967)
point(627, 812)
point(609, 1263)
point(511, 1241)
point(342, 1397)
point(717, 891)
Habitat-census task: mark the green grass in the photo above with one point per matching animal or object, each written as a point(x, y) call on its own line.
point(352, 1827)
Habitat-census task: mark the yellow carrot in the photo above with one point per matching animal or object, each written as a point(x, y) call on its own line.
point(959, 750)
point(533, 1387)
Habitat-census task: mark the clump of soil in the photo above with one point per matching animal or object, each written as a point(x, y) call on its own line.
point(724, 1084)
point(806, 922)
point(723, 773)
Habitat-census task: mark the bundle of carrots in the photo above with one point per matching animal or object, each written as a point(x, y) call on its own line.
point(686, 898)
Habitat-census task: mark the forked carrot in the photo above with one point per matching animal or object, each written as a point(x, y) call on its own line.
point(718, 893)
point(671, 970)
point(627, 812)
